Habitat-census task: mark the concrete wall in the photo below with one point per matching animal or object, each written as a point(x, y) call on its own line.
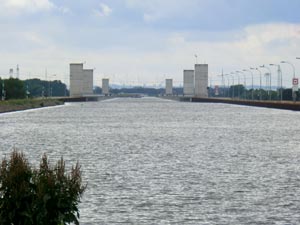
point(76, 79)
point(169, 87)
point(201, 80)
point(188, 82)
point(105, 86)
point(87, 88)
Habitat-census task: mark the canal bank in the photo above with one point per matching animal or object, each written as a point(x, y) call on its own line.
point(24, 104)
point(286, 105)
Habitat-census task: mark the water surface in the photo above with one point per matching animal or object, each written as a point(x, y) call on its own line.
point(153, 161)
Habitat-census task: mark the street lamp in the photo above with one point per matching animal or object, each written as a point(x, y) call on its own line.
point(3, 91)
point(51, 88)
point(252, 82)
point(196, 57)
point(264, 66)
point(293, 92)
point(260, 96)
point(279, 79)
point(291, 65)
point(244, 82)
point(223, 83)
point(227, 85)
point(225, 75)
point(232, 84)
point(236, 73)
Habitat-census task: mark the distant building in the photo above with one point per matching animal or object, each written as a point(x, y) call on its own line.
point(81, 81)
point(188, 83)
point(105, 87)
point(201, 80)
point(169, 87)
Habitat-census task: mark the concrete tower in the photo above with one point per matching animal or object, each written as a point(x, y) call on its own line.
point(81, 81)
point(201, 80)
point(76, 79)
point(87, 82)
point(105, 87)
point(188, 83)
point(169, 87)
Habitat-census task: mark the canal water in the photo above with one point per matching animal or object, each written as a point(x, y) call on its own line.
point(154, 161)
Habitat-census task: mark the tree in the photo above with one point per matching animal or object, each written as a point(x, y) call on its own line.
point(47, 195)
point(57, 88)
point(38, 88)
point(1, 87)
point(237, 91)
point(14, 88)
point(97, 90)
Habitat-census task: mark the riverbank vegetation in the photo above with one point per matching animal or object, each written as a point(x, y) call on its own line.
point(240, 92)
point(23, 104)
point(14, 88)
point(47, 195)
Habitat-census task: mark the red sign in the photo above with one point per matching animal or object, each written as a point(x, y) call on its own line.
point(295, 81)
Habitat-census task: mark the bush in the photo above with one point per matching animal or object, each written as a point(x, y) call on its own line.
point(47, 195)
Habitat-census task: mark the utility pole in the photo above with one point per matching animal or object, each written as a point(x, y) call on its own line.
point(3, 91)
point(18, 72)
point(294, 95)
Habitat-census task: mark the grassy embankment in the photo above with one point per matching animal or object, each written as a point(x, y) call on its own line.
point(23, 104)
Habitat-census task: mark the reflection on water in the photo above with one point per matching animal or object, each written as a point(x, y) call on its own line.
point(152, 161)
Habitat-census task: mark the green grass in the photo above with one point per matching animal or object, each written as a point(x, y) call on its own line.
point(22, 104)
point(29, 101)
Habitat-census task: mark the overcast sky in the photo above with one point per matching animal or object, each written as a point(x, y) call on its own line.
point(146, 41)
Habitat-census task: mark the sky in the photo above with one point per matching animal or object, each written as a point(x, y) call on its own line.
point(141, 42)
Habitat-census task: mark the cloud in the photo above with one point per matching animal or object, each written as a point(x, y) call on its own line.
point(248, 47)
point(103, 10)
point(148, 52)
point(159, 10)
point(64, 10)
point(28, 5)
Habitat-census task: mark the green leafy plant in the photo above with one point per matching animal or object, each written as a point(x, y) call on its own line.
point(47, 195)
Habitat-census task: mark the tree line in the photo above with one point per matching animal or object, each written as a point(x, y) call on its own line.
point(13, 88)
point(139, 90)
point(240, 92)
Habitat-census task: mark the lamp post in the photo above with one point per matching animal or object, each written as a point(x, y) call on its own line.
point(235, 73)
point(227, 94)
point(196, 57)
point(291, 65)
point(244, 82)
point(3, 91)
point(293, 92)
point(223, 84)
point(267, 68)
point(252, 83)
point(227, 86)
point(232, 85)
point(279, 80)
point(51, 86)
point(260, 96)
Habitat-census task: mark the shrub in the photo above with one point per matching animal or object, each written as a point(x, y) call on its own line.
point(47, 195)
